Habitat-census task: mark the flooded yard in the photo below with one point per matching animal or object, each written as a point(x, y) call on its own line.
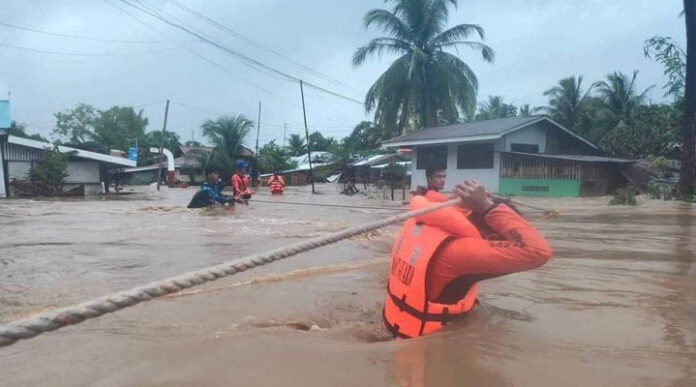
point(616, 307)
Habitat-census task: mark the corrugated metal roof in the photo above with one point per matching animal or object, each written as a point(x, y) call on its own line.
point(473, 131)
point(582, 158)
point(78, 152)
point(488, 128)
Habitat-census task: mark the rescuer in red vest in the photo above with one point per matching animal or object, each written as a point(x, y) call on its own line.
point(438, 258)
point(276, 184)
point(240, 183)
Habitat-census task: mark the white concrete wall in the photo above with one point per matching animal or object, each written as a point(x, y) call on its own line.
point(533, 135)
point(18, 169)
point(83, 172)
point(488, 177)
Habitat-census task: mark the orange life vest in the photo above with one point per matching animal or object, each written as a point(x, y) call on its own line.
point(407, 311)
point(276, 184)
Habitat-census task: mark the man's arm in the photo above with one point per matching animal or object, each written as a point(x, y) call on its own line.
point(522, 248)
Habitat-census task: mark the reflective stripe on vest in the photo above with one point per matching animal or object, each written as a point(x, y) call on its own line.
point(407, 311)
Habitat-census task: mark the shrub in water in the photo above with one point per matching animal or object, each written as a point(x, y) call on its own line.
point(624, 197)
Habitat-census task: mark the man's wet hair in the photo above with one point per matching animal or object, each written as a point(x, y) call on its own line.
point(430, 171)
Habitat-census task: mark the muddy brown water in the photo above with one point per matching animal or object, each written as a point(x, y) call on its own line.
point(616, 307)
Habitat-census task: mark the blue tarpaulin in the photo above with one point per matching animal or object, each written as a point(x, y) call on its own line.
point(4, 114)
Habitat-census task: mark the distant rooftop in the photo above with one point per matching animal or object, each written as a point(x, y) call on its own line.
point(472, 131)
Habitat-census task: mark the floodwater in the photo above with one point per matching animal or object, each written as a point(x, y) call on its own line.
point(616, 307)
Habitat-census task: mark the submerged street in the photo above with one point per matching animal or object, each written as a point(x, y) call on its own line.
point(615, 307)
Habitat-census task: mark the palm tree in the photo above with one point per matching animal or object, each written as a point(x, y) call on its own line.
point(527, 110)
point(619, 99)
point(227, 135)
point(566, 102)
point(495, 108)
point(296, 145)
point(426, 84)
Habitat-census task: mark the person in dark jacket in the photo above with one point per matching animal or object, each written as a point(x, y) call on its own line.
point(210, 192)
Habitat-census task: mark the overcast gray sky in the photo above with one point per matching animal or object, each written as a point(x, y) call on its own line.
point(537, 42)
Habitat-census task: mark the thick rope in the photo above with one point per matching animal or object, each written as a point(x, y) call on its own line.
point(49, 321)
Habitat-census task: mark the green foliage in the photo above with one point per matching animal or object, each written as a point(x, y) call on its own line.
point(495, 108)
point(228, 135)
point(49, 174)
point(296, 145)
point(172, 141)
point(653, 130)
point(193, 143)
point(620, 100)
point(20, 130)
point(668, 53)
point(624, 197)
point(273, 157)
point(660, 190)
point(76, 125)
point(321, 143)
point(118, 127)
point(365, 136)
point(660, 163)
point(567, 104)
point(426, 84)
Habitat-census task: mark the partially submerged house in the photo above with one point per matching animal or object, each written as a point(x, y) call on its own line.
point(533, 156)
point(89, 169)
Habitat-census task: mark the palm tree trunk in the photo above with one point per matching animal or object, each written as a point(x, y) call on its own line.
point(686, 178)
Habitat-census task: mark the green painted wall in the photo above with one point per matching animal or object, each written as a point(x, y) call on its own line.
point(539, 187)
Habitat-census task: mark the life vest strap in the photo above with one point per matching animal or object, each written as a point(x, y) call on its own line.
point(394, 329)
point(439, 317)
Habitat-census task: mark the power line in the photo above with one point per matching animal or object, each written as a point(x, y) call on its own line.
point(84, 53)
point(82, 37)
point(253, 63)
point(254, 43)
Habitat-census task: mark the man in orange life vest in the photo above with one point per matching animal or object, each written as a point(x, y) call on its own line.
point(438, 258)
point(240, 183)
point(276, 184)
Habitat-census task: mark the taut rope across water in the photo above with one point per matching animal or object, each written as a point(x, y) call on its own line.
point(49, 321)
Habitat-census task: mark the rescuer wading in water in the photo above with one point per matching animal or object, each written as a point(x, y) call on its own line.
point(438, 258)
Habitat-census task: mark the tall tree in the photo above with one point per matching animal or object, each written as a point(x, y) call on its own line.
point(321, 143)
point(566, 103)
point(673, 58)
point(172, 141)
point(365, 136)
point(620, 99)
point(686, 176)
point(526, 110)
point(426, 84)
point(228, 135)
point(494, 107)
point(76, 125)
point(273, 157)
point(296, 145)
point(120, 126)
point(20, 130)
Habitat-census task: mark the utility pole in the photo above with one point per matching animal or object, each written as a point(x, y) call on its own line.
point(309, 150)
point(285, 130)
point(164, 129)
point(258, 130)
point(193, 139)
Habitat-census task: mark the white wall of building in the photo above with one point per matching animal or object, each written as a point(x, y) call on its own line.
point(18, 169)
point(533, 135)
point(83, 172)
point(488, 177)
